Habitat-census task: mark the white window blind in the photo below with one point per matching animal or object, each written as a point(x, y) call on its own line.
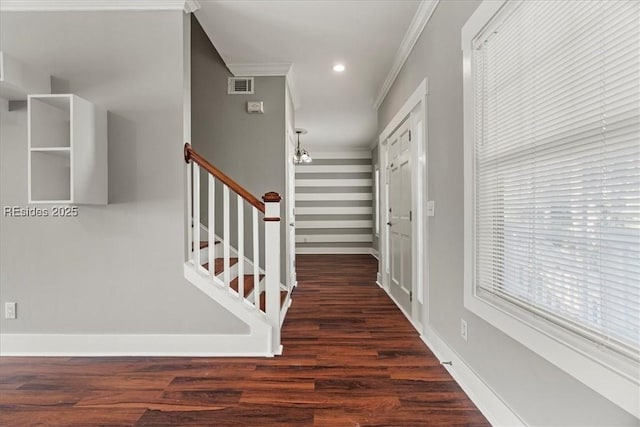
point(557, 165)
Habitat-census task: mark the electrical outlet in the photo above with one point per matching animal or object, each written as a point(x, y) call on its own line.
point(10, 310)
point(463, 329)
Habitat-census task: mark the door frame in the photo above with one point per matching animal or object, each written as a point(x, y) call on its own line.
point(291, 277)
point(414, 109)
point(290, 245)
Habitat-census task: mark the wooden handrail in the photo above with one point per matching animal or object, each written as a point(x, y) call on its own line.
point(191, 154)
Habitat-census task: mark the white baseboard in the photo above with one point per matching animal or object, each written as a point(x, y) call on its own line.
point(483, 396)
point(285, 309)
point(416, 325)
point(96, 345)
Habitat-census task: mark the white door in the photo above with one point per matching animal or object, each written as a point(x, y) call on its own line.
point(291, 204)
point(399, 216)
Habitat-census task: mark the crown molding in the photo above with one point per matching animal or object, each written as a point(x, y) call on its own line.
point(259, 70)
point(188, 6)
point(191, 6)
point(293, 92)
point(420, 19)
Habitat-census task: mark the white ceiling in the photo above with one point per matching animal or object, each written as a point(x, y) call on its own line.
point(365, 35)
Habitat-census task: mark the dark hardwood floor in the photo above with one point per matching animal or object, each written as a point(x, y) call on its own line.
point(350, 359)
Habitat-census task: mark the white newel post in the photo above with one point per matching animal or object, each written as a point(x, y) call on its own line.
point(272, 264)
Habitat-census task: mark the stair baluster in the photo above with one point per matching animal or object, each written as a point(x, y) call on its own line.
point(256, 259)
point(267, 308)
point(196, 216)
point(211, 248)
point(190, 246)
point(226, 239)
point(240, 246)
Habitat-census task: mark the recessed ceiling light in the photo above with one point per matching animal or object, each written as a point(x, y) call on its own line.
point(338, 68)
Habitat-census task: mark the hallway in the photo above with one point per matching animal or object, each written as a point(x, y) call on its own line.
point(350, 359)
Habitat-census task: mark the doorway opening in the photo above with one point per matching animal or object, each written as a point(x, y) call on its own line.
point(403, 265)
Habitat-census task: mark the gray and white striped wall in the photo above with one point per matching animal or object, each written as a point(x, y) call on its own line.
point(333, 203)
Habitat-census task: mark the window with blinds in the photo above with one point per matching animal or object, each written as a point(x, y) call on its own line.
point(556, 195)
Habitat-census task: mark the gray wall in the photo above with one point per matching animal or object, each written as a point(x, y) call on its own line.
point(115, 268)
point(535, 389)
point(249, 148)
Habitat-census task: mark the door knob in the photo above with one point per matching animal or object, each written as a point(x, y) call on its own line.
point(292, 224)
point(389, 224)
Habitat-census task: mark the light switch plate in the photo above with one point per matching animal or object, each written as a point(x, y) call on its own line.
point(431, 208)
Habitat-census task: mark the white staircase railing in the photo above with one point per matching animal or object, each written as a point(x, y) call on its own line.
point(261, 288)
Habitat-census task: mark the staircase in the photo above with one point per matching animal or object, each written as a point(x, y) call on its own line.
point(245, 278)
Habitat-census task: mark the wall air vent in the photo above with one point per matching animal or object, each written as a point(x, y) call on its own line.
point(240, 85)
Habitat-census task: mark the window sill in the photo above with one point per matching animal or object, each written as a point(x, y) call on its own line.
point(615, 377)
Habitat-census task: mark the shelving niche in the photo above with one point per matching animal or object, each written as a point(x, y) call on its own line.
point(67, 150)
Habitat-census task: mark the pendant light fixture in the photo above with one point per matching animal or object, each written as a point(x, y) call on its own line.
point(301, 155)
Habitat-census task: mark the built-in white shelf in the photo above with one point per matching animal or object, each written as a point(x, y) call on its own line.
point(67, 138)
point(18, 80)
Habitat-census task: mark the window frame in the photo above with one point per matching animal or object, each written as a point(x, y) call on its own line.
point(615, 377)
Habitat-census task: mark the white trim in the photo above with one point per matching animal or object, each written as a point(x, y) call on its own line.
point(497, 412)
point(99, 345)
point(337, 251)
point(615, 378)
point(246, 312)
point(191, 6)
point(416, 325)
point(334, 238)
point(186, 135)
point(187, 6)
point(481, 16)
point(283, 312)
point(420, 19)
point(410, 104)
point(260, 70)
point(414, 110)
point(186, 80)
point(332, 196)
point(376, 255)
point(293, 92)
